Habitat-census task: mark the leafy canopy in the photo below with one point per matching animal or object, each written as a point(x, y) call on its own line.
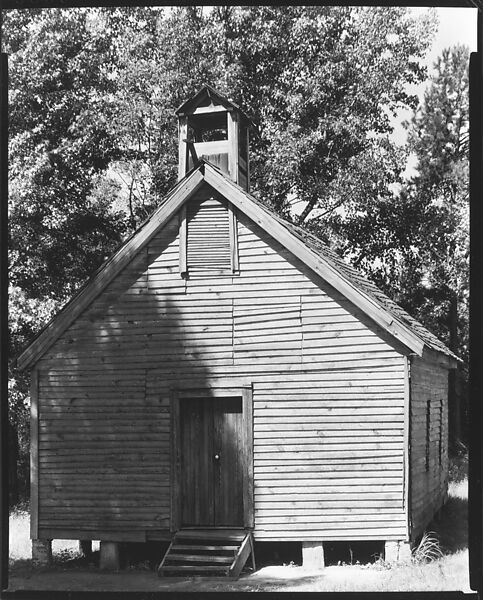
point(93, 140)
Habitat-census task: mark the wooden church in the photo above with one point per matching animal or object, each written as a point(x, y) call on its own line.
point(226, 378)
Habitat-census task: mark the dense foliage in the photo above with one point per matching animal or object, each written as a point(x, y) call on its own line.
point(438, 198)
point(93, 142)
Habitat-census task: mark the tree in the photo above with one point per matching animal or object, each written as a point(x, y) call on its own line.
point(59, 230)
point(93, 130)
point(319, 85)
point(438, 197)
point(316, 82)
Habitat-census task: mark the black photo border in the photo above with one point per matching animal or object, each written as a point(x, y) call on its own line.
point(476, 321)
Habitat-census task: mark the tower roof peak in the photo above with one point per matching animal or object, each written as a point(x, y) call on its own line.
point(207, 99)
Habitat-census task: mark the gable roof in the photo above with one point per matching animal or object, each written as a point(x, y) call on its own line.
point(305, 246)
point(207, 93)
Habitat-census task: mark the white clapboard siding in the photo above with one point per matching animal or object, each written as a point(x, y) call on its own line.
point(328, 391)
point(87, 451)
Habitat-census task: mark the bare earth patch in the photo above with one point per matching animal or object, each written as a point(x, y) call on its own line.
point(71, 572)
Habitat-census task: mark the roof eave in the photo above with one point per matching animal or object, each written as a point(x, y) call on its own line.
point(205, 172)
point(384, 319)
point(187, 106)
point(444, 359)
point(44, 340)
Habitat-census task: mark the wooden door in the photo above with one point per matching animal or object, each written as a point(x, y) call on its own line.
point(197, 468)
point(228, 471)
point(211, 478)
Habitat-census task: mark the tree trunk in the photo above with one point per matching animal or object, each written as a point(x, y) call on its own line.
point(307, 210)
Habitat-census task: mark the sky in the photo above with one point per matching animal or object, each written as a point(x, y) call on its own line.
point(456, 26)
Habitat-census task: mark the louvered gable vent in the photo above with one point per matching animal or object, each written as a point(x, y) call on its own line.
point(208, 236)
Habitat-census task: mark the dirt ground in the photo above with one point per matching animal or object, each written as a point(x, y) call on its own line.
point(271, 578)
point(71, 572)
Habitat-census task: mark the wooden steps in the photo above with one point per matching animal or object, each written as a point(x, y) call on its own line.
point(208, 552)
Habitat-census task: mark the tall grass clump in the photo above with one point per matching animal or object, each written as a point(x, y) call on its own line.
point(427, 550)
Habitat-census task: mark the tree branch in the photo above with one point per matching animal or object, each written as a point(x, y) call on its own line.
point(307, 210)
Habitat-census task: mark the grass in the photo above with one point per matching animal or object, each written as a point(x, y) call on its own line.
point(427, 550)
point(20, 545)
point(440, 562)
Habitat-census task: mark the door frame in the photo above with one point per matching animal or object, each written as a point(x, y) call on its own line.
point(206, 391)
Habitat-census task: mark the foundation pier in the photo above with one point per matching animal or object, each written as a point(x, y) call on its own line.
point(109, 556)
point(41, 553)
point(397, 552)
point(85, 546)
point(313, 555)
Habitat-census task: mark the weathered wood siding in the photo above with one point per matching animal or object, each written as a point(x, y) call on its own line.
point(328, 397)
point(428, 456)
